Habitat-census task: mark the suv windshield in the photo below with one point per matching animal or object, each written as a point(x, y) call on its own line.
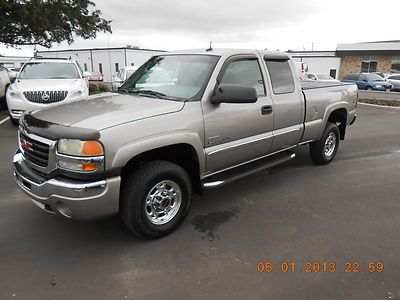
point(175, 77)
point(373, 77)
point(49, 70)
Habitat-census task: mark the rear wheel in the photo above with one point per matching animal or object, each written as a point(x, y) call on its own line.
point(322, 152)
point(155, 199)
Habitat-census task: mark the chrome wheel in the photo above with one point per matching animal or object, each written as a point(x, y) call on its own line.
point(330, 144)
point(163, 202)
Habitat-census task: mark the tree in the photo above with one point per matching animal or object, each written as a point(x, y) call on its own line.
point(43, 22)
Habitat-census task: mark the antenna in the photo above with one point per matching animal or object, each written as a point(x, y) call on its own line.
point(210, 49)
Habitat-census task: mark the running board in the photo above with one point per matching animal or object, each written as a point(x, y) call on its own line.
point(240, 172)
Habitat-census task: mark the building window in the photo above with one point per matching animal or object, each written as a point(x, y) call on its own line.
point(100, 68)
point(395, 64)
point(369, 64)
point(332, 73)
point(116, 67)
point(132, 64)
point(85, 67)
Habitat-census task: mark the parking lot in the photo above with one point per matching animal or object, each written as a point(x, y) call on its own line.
point(347, 211)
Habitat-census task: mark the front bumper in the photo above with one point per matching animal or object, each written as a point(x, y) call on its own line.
point(74, 199)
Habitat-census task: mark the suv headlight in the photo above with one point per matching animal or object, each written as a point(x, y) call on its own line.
point(82, 156)
point(77, 94)
point(12, 93)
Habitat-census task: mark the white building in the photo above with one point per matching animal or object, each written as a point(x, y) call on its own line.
point(13, 61)
point(107, 61)
point(325, 62)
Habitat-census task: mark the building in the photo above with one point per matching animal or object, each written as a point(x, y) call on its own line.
point(319, 61)
point(381, 57)
point(13, 61)
point(107, 61)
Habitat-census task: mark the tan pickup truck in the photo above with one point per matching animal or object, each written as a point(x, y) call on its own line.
point(183, 122)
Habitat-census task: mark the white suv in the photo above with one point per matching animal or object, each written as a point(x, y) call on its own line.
point(44, 82)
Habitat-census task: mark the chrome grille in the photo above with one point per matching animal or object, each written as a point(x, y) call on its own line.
point(45, 97)
point(34, 151)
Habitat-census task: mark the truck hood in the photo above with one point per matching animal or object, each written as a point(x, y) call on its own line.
point(108, 110)
point(46, 84)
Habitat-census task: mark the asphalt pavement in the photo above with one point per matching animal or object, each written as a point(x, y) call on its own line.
point(294, 216)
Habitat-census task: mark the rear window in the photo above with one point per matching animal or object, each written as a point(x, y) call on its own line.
point(281, 77)
point(396, 77)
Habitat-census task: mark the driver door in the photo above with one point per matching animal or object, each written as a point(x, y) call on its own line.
point(237, 133)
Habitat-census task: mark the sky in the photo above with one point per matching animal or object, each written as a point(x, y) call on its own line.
point(261, 24)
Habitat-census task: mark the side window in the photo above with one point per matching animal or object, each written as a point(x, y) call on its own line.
point(361, 77)
point(245, 72)
point(281, 77)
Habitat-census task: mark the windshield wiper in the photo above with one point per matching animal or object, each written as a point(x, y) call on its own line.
point(149, 92)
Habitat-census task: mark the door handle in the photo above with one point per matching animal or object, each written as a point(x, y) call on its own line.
point(266, 110)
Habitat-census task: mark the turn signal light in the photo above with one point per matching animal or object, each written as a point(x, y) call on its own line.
point(92, 148)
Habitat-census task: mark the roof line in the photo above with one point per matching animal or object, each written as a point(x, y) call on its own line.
point(105, 48)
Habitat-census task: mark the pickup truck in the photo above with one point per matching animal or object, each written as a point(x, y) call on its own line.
point(184, 122)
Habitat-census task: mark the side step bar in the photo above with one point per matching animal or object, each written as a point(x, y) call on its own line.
point(229, 176)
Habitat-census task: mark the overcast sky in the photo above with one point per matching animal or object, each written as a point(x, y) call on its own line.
point(278, 24)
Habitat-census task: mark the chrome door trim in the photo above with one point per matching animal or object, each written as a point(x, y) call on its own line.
point(229, 148)
point(247, 162)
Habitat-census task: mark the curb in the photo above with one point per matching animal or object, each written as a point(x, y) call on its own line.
point(378, 106)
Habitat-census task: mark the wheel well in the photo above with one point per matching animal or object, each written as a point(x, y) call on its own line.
point(183, 155)
point(339, 116)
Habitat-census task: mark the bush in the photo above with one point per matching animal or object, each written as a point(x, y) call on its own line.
point(103, 88)
point(93, 89)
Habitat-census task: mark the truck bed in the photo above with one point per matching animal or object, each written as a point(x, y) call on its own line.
point(309, 85)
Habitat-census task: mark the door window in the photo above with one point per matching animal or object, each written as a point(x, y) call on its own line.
point(281, 77)
point(245, 72)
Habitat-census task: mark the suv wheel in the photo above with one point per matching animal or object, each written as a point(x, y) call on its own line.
point(322, 152)
point(155, 199)
point(15, 122)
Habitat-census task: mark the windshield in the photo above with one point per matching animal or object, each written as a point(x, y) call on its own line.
point(373, 77)
point(49, 70)
point(179, 77)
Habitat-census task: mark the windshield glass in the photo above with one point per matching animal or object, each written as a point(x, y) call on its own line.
point(181, 77)
point(373, 77)
point(49, 70)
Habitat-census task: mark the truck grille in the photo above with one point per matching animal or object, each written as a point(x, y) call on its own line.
point(34, 151)
point(45, 97)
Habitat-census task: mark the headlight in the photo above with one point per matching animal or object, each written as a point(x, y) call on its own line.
point(13, 93)
point(77, 155)
point(77, 94)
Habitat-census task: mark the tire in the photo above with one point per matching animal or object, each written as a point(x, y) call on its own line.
point(147, 180)
point(3, 100)
point(14, 121)
point(319, 152)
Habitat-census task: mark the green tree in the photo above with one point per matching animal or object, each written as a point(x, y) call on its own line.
point(43, 22)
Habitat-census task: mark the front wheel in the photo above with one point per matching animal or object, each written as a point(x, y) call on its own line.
point(13, 121)
point(155, 199)
point(322, 152)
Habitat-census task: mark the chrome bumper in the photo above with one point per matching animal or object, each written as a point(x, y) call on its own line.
point(73, 199)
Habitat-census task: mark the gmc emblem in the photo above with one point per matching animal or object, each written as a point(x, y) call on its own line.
point(26, 145)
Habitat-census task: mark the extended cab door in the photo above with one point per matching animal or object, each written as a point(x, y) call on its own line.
point(288, 101)
point(236, 133)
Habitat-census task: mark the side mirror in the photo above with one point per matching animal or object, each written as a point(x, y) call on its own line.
point(86, 74)
point(234, 93)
